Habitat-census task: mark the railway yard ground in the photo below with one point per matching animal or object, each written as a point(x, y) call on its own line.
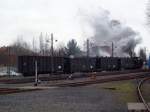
point(99, 97)
point(66, 96)
point(105, 97)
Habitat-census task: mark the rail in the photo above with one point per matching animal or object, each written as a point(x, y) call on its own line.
point(140, 95)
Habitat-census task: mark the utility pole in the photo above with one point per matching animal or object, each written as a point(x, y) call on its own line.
point(52, 53)
point(36, 74)
point(33, 45)
point(9, 60)
point(112, 50)
point(88, 49)
point(145, 53)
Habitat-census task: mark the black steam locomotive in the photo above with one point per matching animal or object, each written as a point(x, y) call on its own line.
point(60, 65)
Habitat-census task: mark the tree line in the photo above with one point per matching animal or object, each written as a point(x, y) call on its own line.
point(43, 48)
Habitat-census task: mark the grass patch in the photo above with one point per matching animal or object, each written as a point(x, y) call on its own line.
point(125, 90)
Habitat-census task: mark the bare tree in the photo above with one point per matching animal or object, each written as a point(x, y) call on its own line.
point(46, 45)
point(61, 52)
point(21, 47)
point(41, 44)
point(34, 48)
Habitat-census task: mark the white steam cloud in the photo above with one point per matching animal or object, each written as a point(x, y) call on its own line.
point(106, 30)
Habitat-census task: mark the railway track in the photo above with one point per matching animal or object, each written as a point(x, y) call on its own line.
point(87, 81)
point(4, 91)
point(102, 79)
point(19, 80)
point(140, 95)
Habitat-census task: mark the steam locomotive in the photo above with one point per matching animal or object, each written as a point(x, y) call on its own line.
point(60, 65)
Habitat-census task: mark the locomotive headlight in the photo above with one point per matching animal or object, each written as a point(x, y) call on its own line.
point(114, 66)
point(91, 67)
point(59, 67)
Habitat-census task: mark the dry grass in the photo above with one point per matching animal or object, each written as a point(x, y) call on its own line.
point(125, 90)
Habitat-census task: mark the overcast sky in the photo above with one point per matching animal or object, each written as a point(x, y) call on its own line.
point(62, 17)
